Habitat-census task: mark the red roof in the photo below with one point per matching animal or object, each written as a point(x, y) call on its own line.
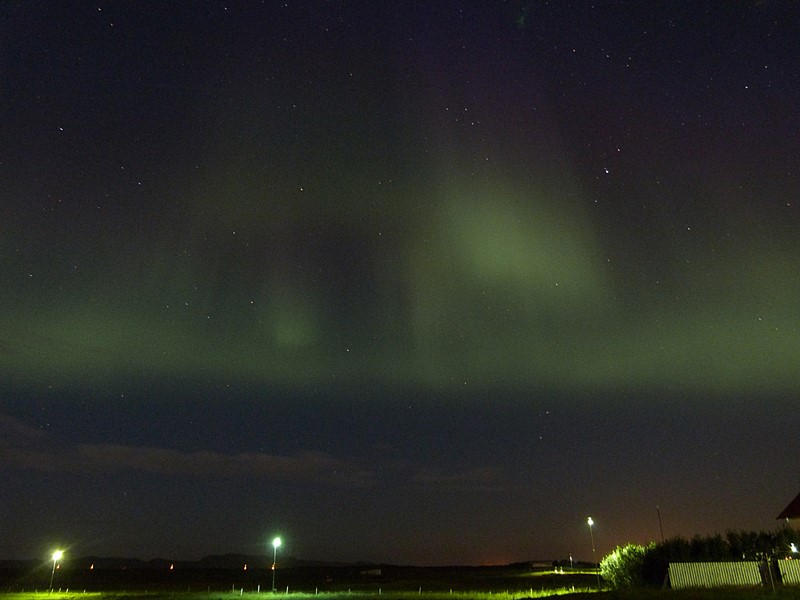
point(792, 511)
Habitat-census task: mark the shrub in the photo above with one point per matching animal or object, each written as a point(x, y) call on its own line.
point(634, 565)
point(623, 567)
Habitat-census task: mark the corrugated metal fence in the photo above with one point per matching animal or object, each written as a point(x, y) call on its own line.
point(714, 574)
point(790, 571)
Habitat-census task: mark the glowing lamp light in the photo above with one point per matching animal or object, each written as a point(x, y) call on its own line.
point(275, 545)
point(590, 521)
point(57, 555)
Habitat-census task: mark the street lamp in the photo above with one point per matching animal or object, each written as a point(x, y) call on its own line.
point(56, 557)
point(590, 521)
point(275, 543)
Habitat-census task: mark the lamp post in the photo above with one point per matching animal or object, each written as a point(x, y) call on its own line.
point(275, 543)
point(56, 557)
point(590, 521)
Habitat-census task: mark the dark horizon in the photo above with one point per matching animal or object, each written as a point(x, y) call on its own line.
point(236, 560)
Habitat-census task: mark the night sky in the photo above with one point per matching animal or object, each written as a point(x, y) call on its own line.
point(415, 282)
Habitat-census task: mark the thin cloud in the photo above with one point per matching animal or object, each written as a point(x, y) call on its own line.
point(481, 478)
point(304, 466)
point(14, 433)
point(31, 449)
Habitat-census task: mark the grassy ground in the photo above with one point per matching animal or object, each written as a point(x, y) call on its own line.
point(565, 593)
point(240, 593)
point(350, 583)
point(230, 595)
point(449, 582)
point(715, 594)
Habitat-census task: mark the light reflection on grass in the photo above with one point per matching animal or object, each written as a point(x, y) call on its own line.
point(785, 593)
point(378, 594)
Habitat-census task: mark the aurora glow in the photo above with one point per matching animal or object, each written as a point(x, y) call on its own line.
point(452, 264)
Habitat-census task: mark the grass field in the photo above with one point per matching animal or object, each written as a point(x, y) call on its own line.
point(588, 594)
point(351, 583)
point(388, 581)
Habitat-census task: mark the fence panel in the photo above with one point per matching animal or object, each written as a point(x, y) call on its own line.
point(714, 574)
point(790, 571)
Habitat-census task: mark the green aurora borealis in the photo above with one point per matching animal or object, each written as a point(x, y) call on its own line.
point(492, 279)
point(425, 278)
